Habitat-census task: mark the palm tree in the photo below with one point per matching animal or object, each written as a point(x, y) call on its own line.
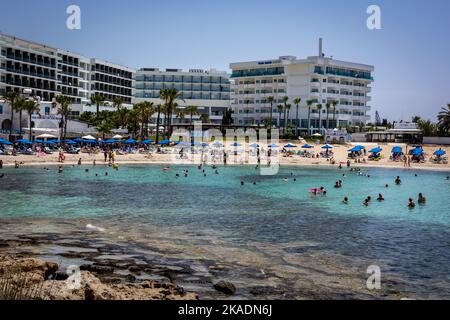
point(192, 111)
point(145, 110)
point(12, 97)
point(105, 128)
point(270, 100)
point(444, 120)
point(285, 100)
point(334, 112)
point(288, 108)
point(180, 113)
point(280, 110)
point(132, 121)
point(159, 109)
point(328, 106)
point(169, 96)
point(297, 124)
point(31, 106)
point(64, 110)
point(20, 107)
point(117, 103)
point(319, 108)
point(309, 103)
point(97, 100)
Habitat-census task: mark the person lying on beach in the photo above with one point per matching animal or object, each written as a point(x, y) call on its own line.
point(411, 203)
point(422, 199)
point(380, 197)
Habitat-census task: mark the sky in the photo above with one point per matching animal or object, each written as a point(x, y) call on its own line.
point(411, 52)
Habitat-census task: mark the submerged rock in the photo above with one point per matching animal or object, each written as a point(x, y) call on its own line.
point(225, 287)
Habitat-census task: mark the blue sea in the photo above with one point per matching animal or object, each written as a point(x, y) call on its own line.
point(269, 236)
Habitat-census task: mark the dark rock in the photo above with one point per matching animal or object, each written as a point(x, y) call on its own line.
point(59, 276)
point(130, 278)
point(225, 287)
point(134, 269)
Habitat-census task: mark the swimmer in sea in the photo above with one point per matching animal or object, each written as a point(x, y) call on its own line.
point(367, 201)
point(345, 201)
point(398, 181)
point(380, 197)
point(411, 203)
point(422, 199)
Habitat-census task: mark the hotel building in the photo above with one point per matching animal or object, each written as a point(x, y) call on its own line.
point(208, 90)
point(318, 78)
point(47, 72)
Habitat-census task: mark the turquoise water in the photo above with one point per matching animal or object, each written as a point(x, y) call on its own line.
point(410, 244)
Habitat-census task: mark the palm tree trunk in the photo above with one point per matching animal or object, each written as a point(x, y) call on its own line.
point(157, 124)
point(65, 129)
point(31, 135)
point(328, 123)
point(296, 122)
point(320, 119)
point(309, 121)
point(271, 107)
point(12, 118)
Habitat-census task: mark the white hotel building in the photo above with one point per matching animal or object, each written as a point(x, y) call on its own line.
point(49, 72)
point(319, 78)
point(208, 90)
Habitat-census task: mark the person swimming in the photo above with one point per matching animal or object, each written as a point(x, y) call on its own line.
point(285, 179)
point(386, 186)
point(380, 197)
point(242, 183)
point(422, 199)
point(337, 185)
point(398, 181)
point(367, 201)
point(411, 203)
point(345, 201)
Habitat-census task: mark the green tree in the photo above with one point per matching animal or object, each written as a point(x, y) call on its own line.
point(309, 103)
point(297, 120)
point(192, 111)
point(12, 97)
point(280, 111)
point(444, 120)
point(328, 107)
point(31, 106)
point(97, 100)
point(319, 108)
point(64, 110)
point(285, 103)
point(334, 103)
point(105, 128)
point(227, 118)
point(169, 96)
point(270, 100)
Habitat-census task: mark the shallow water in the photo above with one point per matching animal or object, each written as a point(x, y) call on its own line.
point(274, 234)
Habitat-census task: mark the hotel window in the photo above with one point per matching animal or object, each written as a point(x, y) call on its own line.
point(47, 110)
point(1, 109)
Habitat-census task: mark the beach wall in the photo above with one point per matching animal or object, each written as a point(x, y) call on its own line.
point(437, 140)
point(359, 137)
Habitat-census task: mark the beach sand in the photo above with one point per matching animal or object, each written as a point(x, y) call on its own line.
point(340, 156)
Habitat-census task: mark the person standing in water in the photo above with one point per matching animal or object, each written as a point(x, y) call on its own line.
point(411, 203)
point(422, 199)
point(398, 181)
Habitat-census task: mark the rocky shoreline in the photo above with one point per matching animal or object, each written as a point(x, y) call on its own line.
point(36, 279)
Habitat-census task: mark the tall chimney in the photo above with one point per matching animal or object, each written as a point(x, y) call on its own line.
point(320, 47)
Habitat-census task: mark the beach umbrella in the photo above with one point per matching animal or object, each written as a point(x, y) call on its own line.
point(196, 144)
point(439, 152)
point(254, 145)
point(24, 141)
point(236, 144)
point(46, 136)
point(50, 142)
point(70, 142)
point(307, 146)
point(90, 141)
point(417, 152)
point(218, 144)
point(316, 135)
point(39, 141)
point(327, 146)
point(205, 145)
point(376, 150)
point(354, 149)
point(110, 141)
point(130, 141)
point(78, 140)
point(88, 137)
point(5, 142)
point(273, 145)
point(396, 150)
point(147, 141)
point(164, 142)
point(290, 145)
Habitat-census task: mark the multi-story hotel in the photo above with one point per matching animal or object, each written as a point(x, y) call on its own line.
point(318, 78)
point(209, 90)
point(46, 72)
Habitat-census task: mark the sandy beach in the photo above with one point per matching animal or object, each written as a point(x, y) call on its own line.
point(340, 153)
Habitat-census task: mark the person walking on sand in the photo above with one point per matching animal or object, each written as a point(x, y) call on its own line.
point(105, 155)
point(409, 162)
